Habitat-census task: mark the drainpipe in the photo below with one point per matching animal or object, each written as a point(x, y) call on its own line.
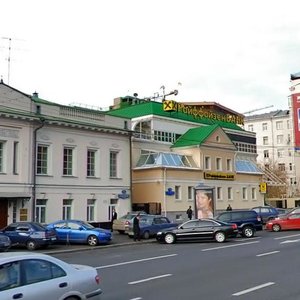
point(164, 191)
point(34, 145)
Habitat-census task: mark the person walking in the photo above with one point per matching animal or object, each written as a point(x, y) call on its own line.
point(136, 227)
point(190, 212)
point(114, 217)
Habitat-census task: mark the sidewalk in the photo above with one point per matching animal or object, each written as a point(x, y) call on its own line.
point(117, 241)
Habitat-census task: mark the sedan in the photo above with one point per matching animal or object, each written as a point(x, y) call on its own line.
point(5, 242)
point(150, 225)
point(79, 232)
point(199, 229)
point(122, 224)
point(24, 275)
point(32, 235)
point(284, 222)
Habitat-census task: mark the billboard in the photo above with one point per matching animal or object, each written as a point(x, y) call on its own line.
point(204, 202)
point(296, 118)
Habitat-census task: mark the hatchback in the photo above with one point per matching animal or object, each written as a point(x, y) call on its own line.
point(199, 229)
point(79, 232)
point(150, 225)
point(247, 221)
point(36, 276)
point(32, 235)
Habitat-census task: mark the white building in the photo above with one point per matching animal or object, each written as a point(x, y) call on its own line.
point(60, 161)
point(275, 146)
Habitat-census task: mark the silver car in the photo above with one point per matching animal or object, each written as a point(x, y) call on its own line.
point(36, 276)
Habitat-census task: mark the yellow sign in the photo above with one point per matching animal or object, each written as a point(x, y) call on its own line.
point(169, 105)
point(218, 176)
point(263, 187)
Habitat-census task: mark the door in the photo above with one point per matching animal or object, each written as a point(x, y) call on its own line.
point(3, 212)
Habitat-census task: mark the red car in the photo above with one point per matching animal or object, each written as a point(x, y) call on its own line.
point(284, 222)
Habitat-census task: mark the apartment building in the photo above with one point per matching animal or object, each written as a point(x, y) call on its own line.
point(59, 162)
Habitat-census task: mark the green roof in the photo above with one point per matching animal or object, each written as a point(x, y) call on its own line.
point(195, 136)
point(156, 108)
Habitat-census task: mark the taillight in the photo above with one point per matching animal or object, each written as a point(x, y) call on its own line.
point(259, 219)
point(127, 223)
point(97, 279)
point(234, 226)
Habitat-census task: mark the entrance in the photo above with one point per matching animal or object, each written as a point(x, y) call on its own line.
point(3, 212)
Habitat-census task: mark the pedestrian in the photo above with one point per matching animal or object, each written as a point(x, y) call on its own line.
point(136, 228)
point(229, 207)
point(189, 212)
point(113, 217)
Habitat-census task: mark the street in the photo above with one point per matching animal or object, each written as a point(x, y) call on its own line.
point(264, 267)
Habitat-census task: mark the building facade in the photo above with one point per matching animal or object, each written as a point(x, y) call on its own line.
point(59, 162)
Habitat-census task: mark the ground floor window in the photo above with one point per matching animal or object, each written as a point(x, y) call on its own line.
point(67, 209)
point(90, 210)
point(40, 210)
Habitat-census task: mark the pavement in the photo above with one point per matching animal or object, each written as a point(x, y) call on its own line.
point(118, 240)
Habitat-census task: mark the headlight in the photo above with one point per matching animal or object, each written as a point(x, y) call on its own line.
point(159, 233)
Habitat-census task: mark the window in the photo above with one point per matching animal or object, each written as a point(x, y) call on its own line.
point(91, 163)
point(40, 210)
point(68, 161)
point(280, 153)
point(288, 124)
point(253, 193)
point(281, 167)
point(10, 275)
point(219, 164)
point(67, 209)
point(1, 157)
point(244, 193)
point(219, 193)
point(265, 140)
point(229, 164)
point(250, 127)
point(113, 160)
point(42, 160)
point(90, 213)
point(177, 192)
point(279, 125)
point(280, 139)
point(190, 193)
point(266, 153)
point(229, 193)
point(291, 166)
point(207, 163)
point(264, 126)
point(16, 158)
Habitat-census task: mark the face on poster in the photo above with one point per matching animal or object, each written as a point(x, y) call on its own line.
point(204, 204)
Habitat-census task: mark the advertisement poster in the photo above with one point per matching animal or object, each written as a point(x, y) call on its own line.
point(204, 203)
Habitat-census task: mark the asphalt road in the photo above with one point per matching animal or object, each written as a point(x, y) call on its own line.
point(265, 267)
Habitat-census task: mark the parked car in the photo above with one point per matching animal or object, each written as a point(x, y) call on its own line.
point(122, 224)
point(80, 232)
point(5, 242)
point(150, 225)
point(198, 229)
point(266, 213)
point(247, 221)
point(32, 235)
point(282, 211)
point(288, 221)
point(35, 276)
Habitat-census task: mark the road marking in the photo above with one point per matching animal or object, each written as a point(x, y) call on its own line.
point(229, 246)
point(138, 298)
point(150, 278)
point(289, 241)
point(253, 289)
point(267, 253)
point(286, 237)
point(135, 261)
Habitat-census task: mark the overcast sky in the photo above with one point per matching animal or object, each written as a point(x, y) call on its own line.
point(237, 53)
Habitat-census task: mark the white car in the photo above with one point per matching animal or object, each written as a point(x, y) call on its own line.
point(36, 276)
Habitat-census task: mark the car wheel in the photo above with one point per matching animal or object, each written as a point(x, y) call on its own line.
point(170, 238)
point(146, 235)
point(220, 237)
point(92, 240)
point(248, 232)
point(31, 245)
point(276, 227)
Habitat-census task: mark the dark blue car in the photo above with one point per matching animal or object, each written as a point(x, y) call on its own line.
point(80, 232)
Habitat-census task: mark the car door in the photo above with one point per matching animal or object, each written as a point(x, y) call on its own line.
point(62, 231)
point(188, 231)
point(205, 229)
point(38, 279)
point(77, 233)
point(294, 221)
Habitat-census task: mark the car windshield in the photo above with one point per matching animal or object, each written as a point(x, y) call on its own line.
point(87, 225)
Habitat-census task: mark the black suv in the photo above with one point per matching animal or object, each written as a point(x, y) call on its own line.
point(247, 221)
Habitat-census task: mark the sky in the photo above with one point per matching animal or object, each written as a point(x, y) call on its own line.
point(237, 53)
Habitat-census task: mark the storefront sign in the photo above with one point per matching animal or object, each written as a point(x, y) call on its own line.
point(198, 112)
point(218, 176)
